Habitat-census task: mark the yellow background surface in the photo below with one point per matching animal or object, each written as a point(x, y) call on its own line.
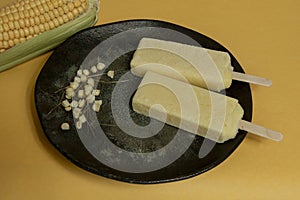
point(264, 37)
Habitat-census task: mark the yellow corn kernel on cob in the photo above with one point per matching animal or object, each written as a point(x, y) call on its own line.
point(31, 27)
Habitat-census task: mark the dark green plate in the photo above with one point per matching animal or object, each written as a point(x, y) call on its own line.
point(107, 149)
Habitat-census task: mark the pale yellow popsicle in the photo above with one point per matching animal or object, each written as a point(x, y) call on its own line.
point(188, 107)
point(199, 66)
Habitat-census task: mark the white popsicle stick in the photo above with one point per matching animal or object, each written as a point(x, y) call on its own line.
point(260, 130)
point(251, 79)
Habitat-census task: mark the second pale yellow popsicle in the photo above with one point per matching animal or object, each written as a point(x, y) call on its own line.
point(188, 107)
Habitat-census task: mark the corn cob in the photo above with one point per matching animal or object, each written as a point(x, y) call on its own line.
point(31, 27)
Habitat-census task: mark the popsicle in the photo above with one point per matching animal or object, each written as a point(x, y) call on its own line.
point(193, 109)
point(199, 66)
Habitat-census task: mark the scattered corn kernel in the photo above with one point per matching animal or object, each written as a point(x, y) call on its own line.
point(81, 103)
point(111, 74)
point(82, 119)
point(77, 79)
point(96, 92)
point(90, 98)
point(83, 78)
point(70, 92)
point(80, 94)
point(74, 104)
point(86, 72)
point(76, 113)
point(65, 103)
point(97, 105)
point(79, 72)
point(91, 82)
point(94, 69)
point(65, 126)
point(74, 85)
point(68, 108)
point(100, 66)
point(68, 97)
point(88, 89)
point(78, 125)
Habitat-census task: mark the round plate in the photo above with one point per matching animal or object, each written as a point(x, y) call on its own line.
point(114, 44)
